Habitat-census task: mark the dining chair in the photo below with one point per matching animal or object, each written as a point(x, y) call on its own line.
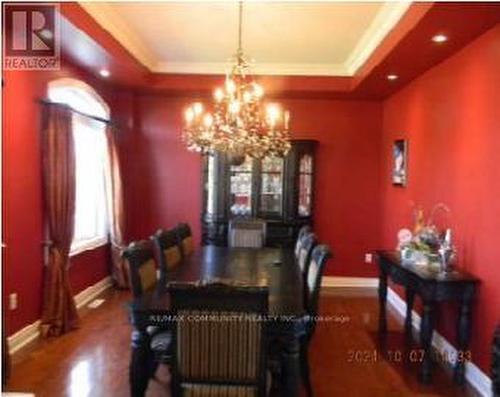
point(247, 233)
point(168, 251)
point(139, 256)
point(185, 239)
point(304, 230)
point(319, 257)
point(495, 363)
point(309, 241)
point(220, 344)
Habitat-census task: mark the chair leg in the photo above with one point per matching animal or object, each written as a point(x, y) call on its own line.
point(304, 367)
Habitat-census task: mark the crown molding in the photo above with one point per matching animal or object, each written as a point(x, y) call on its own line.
point(268, 69)
point(387, 18)
point(110, 21)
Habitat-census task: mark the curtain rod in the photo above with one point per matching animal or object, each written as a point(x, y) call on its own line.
point(97, 118)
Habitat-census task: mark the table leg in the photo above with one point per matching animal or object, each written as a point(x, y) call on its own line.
point(463, 333)
point(426, 331)
point(382, 298)
point(410, 298)
point(140, 362)
point(291, 368)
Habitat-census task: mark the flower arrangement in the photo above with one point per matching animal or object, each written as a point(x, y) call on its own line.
point(426, 245)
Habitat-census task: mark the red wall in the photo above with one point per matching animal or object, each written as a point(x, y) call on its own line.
point(450, 115)
point(22, 197)
point(162, 178)
point(347, 172)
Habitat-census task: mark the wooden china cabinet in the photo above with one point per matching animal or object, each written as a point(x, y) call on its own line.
point(277, 190)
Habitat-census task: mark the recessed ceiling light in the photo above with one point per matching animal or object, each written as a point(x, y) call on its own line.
point(104, 73)
point(392, 77)
point(439, 38)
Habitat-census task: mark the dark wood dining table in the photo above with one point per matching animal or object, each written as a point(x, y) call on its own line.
point(271, 267)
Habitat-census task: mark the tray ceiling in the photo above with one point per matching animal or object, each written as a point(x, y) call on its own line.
point(284, 38)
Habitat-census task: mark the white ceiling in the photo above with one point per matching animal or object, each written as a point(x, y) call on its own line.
point(287, 38)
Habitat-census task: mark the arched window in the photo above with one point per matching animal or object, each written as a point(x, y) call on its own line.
point(91, 154)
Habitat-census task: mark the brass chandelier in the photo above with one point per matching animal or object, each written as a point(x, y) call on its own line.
point(239, 122)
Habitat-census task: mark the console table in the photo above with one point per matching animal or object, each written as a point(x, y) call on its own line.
point(433, 287)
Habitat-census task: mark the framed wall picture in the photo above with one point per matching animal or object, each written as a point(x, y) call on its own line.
point(400, 162)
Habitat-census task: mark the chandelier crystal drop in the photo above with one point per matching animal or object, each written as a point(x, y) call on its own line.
point(239, 121)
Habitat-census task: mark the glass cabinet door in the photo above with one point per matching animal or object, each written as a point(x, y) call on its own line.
point(305, 185)
point(271, 186)
point(277, 190)
point(241, 188)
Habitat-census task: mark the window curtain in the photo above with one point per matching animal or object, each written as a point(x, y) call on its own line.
point(58, 156)
point(114, 194)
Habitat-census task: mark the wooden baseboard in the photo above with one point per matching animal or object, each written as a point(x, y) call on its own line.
point(349, 282)
point(32, 331)
point(92, 292)
point(474, 375)
point(24, 336)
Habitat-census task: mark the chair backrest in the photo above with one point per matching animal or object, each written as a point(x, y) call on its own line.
point(142, 266)
point(495, 363)
point(319, 257)
point(304, 230)
point(247, 233)
point(168, 251)
point(185, 239)
point(219, 345)
point(309, 241)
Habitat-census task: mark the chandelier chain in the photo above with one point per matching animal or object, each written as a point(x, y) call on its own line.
point(240, 28)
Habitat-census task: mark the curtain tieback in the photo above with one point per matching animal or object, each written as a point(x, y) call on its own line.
point(117, 245)
point(47, 245)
